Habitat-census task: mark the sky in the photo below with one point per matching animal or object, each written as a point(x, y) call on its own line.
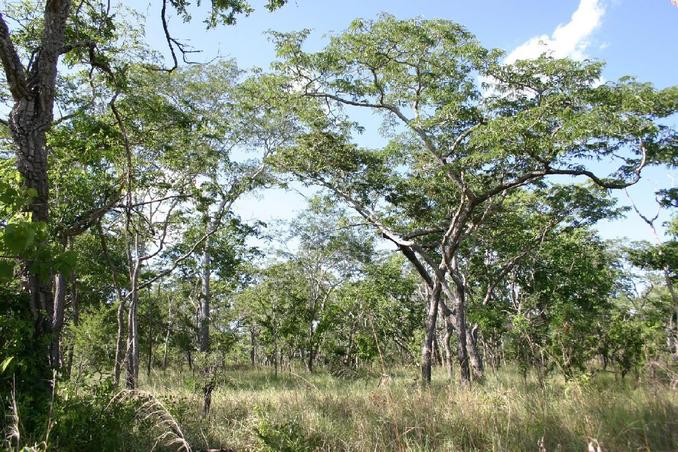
point(633, 37)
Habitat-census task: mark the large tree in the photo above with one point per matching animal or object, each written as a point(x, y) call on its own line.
point(465, 129)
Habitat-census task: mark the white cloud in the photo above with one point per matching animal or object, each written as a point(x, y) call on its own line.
point(568, 40)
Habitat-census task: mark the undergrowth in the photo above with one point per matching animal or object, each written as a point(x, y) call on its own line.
point(298, 412)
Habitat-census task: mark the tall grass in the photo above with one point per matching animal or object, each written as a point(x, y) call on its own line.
point(294, 412)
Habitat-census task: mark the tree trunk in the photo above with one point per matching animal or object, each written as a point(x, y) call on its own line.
point(672, 336)
point(132, 355)
point(76, 320)
point(149, 322)
point(447, 338)
point(460, 327)
point(427, 346)
point(57, 319)
point(119, 343)
point(311, 358)
point(205, 296)
point(437, 357)
point(253, 350)
point(189, 359)
point(474, 354)
point(33, 93)
point(168, 333)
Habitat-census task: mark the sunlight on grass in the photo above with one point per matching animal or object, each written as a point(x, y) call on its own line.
point(301, 411)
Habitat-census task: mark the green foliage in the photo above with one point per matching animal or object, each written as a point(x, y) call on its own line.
point(223, 11)
point(93, 340)
point(287, 436)
point(86, 419)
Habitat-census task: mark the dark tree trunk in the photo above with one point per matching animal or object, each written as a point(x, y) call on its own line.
point(253, 349)
point(311, 358)
point(189, 359)
point(437, 356)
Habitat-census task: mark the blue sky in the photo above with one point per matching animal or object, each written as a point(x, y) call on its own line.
point(634, 37)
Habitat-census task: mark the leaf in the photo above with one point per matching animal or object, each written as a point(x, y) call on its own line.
point(19, 237)
point(5, 363)
point(65, 262)
point(6, 269)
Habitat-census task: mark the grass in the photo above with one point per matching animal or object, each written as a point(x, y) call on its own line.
point(301, 411)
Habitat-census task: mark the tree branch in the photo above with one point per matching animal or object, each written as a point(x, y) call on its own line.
point(15, 73)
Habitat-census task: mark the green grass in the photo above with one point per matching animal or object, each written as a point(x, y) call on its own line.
point(302, 411)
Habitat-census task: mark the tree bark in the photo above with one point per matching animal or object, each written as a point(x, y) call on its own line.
point(427, 346)
point(447, 338)
point(474, 354)
point(460, 327)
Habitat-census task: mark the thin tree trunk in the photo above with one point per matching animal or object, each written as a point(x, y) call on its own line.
point(57, 319)
point(168, 333)
point(205, 296)
point(76, 321)
point(311, 358)
point(672, 336)
point(149, 321)
point(119, 342)
point(120, 335)
point(189, 359)
point(132, 354)
point(447, 338)
point(253, 350)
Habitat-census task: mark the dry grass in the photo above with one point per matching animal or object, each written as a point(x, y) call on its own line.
point(320, 412)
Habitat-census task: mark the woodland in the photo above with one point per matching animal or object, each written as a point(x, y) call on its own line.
point(448, 290)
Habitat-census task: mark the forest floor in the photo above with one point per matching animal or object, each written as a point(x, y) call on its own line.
point(298, 411)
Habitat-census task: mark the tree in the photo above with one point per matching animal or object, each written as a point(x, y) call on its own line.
point(662, 257)
point(457, 148)
point(84, 35)
point(331, 252)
